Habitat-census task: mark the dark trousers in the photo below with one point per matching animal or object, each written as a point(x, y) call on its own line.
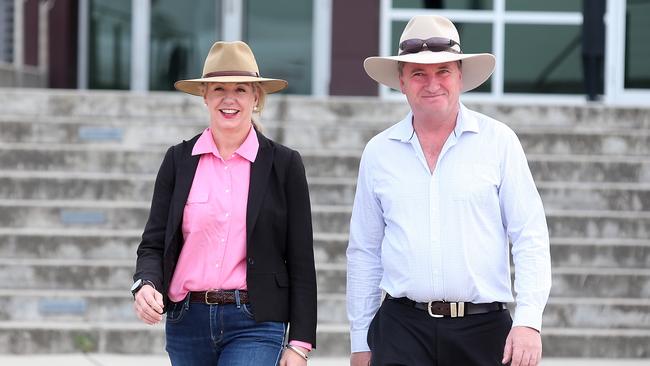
point(403, 335)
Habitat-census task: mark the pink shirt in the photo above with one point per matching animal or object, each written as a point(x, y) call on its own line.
point(214, 220)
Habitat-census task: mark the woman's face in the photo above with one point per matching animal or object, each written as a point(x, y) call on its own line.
point(230, 105)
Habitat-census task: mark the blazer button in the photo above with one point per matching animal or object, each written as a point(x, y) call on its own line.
point(251, 260)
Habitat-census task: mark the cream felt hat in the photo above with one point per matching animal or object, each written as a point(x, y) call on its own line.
point(230, 62)
point(431, 39)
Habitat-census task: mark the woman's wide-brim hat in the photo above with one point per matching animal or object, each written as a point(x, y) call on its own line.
point(476, 68)
point(230, 62)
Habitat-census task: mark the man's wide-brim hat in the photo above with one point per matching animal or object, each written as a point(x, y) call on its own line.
point(230, 62)
point(476, 68)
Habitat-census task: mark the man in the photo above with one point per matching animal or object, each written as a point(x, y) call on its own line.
point(439, 196)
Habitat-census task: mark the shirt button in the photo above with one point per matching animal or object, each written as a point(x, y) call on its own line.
point(227, 214)
point(226, 167)
point(217, 265)
point(251, 260)
point(227, 190)
point(223, 240)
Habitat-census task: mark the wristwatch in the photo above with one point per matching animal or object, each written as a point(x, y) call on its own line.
point(137, 285)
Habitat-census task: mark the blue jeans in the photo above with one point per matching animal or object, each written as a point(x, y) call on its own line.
point(200, 334)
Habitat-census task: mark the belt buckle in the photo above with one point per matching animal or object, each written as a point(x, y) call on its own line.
point(208, 301)
point(430, 310)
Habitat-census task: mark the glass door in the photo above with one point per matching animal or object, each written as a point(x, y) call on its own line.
point(628, 52)
point(181, 37)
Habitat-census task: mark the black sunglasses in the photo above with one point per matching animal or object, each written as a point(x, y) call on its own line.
point(434, 44)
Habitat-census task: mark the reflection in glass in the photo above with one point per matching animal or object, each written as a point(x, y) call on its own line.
point(637, 48)
point(442, 4)
point(181, 37)
point(474, 38)
point(109, 44)
point(546, 5)
point(280, 34)
point(543, 59)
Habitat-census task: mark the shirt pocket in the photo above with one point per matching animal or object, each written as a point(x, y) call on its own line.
point(475, 183)
point(197, 211)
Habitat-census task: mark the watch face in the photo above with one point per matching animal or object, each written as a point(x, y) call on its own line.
point(136, 285)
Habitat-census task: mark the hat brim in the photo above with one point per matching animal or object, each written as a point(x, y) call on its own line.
point(476, 68)
point(193, 86)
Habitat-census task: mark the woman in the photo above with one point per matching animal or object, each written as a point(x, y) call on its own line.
point(227, 251)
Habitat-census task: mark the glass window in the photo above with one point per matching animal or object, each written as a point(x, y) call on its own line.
point(280, 34)
point(474, 38)
point(546, 5)
point(637, 48)
point(181, 37)
point(543, 59)
point(441, 4)
point(109, 58)
point(6, 30)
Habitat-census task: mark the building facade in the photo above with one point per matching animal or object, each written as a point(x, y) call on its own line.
point(543, 49)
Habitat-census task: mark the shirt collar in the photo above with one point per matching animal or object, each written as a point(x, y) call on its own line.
point(248, 149)
point(465, 122)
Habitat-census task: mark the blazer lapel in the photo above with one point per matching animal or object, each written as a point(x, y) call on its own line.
point(260, 170)
point(185, 172)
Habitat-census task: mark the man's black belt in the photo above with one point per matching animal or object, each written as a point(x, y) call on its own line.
point(440, 309)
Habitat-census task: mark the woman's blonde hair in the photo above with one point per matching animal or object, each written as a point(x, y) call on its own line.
point(257, 112)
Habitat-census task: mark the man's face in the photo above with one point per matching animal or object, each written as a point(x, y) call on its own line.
point(432, 90)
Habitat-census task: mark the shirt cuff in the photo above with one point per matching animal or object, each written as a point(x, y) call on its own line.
point(359, 341)
point(305, 345)
point(528, 316)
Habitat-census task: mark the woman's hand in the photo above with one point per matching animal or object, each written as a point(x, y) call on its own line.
point(148, 305)
point(291, 358)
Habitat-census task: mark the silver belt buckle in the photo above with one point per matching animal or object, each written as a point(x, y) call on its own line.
point(431, 312)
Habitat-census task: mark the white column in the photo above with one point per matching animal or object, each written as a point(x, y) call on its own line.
point(82, 45)
point(231, 20)
point(498, 47)
point(140, 23)
point(44, 8)
point(614, 50)
point(19, 42)
point(321, 47)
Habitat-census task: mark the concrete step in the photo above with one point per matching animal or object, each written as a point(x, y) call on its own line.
point(112, 158)
point(330, 191)
point(136, 132)
point(132, 215)
point(30, 243)
point(113, 274)
point(48, 305)
point(98, 305)
point(117, 305)
point(561, 223)
point(341, 110)
point(133, 338)
point(86, 274)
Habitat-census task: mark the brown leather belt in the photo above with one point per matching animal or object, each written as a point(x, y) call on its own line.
point(219, 297)
point(439, 309)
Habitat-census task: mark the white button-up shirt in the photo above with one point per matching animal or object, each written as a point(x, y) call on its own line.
point(444, 235)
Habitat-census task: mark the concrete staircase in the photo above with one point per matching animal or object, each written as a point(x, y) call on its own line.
point(76, 178)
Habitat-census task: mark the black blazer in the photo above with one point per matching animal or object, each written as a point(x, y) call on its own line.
point(280, 270)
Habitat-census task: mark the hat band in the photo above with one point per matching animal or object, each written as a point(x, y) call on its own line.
point(231, 73)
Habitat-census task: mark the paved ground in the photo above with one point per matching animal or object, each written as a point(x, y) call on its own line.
point(110, 360)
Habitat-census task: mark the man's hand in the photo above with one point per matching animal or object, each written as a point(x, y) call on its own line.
point(360, 359)
point(523, 347)
point(291, 358)
point(148, 305)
